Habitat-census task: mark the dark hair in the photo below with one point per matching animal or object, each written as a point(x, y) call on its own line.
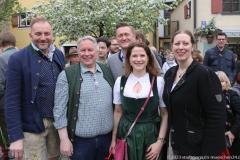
point(38, 19)
point(7, 38)
point(123, 24)
point(104, 40)
point(112, 38)
point(151, 68)
point(221, 34)
point(186, 32)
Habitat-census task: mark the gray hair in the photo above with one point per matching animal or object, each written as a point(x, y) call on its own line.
point(90, 38)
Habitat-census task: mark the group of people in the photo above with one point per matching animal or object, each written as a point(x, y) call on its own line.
point(81, 110)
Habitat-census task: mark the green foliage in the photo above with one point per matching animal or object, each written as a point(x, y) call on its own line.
point(209, 29)
point(7, 8)
point(75, 18)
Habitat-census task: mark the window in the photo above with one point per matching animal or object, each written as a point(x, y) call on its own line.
point(231, 6)
point(24, 19)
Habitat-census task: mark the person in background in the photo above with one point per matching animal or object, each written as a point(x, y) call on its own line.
point(141, 38)
point(170, 61)
point(162, 54)
point(83, 110)
point(103, 49)
point(125, 35)
point(196, 108)
point(233, 114)
point(130, 91)
point(155, 52)
point(114, 47)
point(197, 56)
point(29, 98)
point(236, 85)
point(73, 56)
point(8, 45)
point(220, 58)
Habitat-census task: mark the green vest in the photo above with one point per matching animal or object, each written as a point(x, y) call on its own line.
point(74, 79)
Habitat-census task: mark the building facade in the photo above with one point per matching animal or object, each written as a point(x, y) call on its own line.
point(195, 14)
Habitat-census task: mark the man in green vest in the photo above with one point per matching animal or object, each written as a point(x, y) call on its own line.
point(83, 111)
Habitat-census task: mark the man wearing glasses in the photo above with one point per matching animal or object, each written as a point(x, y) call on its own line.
point(219, 58)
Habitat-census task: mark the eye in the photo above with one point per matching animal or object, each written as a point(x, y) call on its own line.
point(176, 43)
point(38, 34)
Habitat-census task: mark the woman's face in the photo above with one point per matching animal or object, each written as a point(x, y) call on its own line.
point(224, 84)
point(138, 59)
point(182, 47)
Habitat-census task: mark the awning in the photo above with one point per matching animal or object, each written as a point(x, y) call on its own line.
point(232, 32)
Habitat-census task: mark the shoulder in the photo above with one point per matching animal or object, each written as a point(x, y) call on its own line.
point(114, 57)
point(211, 50)
point(71, 67)
point(58, 51)
point(170, 72)
point(21, 54)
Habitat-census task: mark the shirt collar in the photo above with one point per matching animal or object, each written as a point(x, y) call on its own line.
point(51, 50)
point(84, 69)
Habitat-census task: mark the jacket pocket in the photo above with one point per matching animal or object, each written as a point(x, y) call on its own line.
point(194, 137)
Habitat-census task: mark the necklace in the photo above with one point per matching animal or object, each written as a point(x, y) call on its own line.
point(180, 74)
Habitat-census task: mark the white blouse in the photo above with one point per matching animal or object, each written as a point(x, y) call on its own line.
point(145, 84)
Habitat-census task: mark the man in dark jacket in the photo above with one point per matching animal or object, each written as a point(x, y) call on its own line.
point(29, 99)
point(220, 58)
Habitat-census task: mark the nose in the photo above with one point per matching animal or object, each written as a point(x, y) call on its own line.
point(42, 37)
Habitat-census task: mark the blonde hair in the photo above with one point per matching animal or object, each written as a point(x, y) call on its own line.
point(224, 78)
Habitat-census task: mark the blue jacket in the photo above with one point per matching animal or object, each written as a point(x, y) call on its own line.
point(221, 61)
point(21, 110)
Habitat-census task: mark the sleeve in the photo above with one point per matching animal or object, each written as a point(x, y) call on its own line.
point(2, 77)
point(60, 101)
point(235, 106)
point(116, 91)
point(160, 86)
point(213, 113)
point(205, 59)
point(13, 99)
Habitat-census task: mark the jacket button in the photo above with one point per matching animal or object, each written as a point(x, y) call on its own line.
point(76, 105)
point(32, 101)
point(77, 92)
point(74, 118)
point(39, 61)
point(35, 87)
point(37, 74)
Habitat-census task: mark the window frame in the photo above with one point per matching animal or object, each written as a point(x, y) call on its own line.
point(24, 22)
point(230, 2)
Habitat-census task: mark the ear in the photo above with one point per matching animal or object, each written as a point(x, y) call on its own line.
point(30, 35)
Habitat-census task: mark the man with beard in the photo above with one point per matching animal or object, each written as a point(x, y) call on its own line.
point(31, 78)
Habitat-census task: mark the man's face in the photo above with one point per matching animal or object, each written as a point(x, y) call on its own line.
point(125, 36)
point(114, 47)
point(221, 41)
point(103, 50)
point(88, 53)
point(41, 35)
point(74, 59)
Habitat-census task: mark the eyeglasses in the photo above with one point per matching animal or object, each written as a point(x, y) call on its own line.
point(221, 39)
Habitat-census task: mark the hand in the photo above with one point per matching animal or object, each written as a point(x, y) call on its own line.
point(112, 147)
point(230, 136)
point(66, 147)
point(153, 150)
point(16, 149)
